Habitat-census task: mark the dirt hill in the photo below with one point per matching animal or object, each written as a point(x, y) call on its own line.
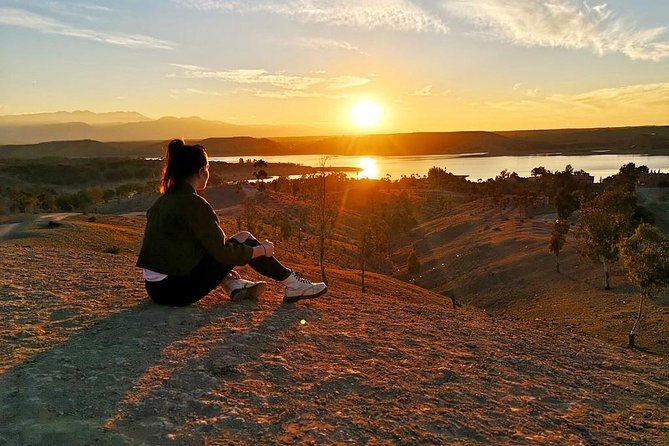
point(494, 258)
point(85, 359)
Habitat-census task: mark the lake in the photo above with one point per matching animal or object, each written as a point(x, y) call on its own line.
point(476, 167)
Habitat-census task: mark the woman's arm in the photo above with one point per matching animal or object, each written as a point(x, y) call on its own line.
point(203, 223)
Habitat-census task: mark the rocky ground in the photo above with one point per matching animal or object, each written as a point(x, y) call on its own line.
point(85, 359)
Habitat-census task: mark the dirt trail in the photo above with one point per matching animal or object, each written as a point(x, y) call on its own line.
point(14, 230)
point(85, 359)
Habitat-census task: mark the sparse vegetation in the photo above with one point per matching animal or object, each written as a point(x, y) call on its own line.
point(602, 224)
point(646, 258)
point(113, 249)
point(559, 233)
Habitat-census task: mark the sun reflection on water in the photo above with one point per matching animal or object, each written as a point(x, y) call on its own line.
point(369, 168)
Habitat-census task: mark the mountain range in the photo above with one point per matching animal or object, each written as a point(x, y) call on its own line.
point(102, 135)
point(127, 126)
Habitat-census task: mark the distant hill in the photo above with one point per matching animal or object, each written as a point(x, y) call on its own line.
point(646, 138)
point(402, 144)
point(127, 126)
point(629, 140)
point(64, 149)
point(83, 116)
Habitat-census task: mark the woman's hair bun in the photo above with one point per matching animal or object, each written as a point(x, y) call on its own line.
point(175, 144)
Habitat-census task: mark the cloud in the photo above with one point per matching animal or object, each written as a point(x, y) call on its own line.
point(562, 23)
point(397, 15)
point(289, 94)
point(280, 80)
point(342, 82)
point(94, 7)
point(427, 91)
point(189, 67)
point(319, 43)
point(47, 25)
point(174, 92)
point(641, 97)
point(532, 92)
point(634, 96)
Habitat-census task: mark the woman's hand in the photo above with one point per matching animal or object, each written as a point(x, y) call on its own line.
point(268, 248)
point(234, 275)
point(265, 249)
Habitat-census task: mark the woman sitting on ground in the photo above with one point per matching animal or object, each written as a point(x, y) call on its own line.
point(185, 253)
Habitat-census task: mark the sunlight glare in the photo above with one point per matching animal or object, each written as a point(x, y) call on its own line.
point(366, 114)
point(369, 169)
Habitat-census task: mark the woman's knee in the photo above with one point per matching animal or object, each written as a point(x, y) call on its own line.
point(243, 236)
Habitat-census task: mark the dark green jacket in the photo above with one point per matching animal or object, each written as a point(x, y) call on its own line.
point(181, 227)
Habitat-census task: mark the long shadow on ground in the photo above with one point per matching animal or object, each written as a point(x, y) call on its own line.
point(77, 392)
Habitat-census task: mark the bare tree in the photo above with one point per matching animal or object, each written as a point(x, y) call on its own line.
point(324, 213)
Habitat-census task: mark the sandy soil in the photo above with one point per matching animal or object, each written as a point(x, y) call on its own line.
point(85, 359)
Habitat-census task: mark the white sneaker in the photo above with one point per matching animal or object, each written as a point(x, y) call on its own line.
point(298, 288)
point(240, 289)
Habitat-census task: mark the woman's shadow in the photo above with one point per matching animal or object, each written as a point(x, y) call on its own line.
point(77, 391)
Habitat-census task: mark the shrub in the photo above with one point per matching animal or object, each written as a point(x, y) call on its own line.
point(113, 249)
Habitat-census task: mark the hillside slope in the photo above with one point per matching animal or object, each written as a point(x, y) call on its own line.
point(85, 359)
point(490, 257)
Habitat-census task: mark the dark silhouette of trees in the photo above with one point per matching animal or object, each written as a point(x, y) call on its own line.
point(566, 202)
point(646, 257)
point(413, 266)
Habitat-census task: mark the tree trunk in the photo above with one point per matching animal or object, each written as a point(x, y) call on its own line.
point(363, 276)
point(607, 276)
point(321, 257)
point(632, 334)
point(557, 262)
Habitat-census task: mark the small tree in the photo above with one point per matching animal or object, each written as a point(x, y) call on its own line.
point(413, 265)
point(250, 215)
point(371, 241)
point(325, 213)
point(602, 224)
point(646, 257)
point(558, 239)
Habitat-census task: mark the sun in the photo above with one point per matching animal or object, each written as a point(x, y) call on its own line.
point(366, 114)
point(369, 169)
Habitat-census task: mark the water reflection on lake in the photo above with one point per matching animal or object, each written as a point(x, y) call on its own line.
point(477, 167)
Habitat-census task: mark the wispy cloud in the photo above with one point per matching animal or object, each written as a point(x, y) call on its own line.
point(279, 80)
point(342, 82)
point(398, 15)
point(174, 92)
point(93, 7)
point(425, 91)
point(635, 96)
point(320, 43)
point(47, 25)
point(563, 23)
point(641, 97)
point(189, 67)
point(291, 94)
point(428, 91)
point(78, 10)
